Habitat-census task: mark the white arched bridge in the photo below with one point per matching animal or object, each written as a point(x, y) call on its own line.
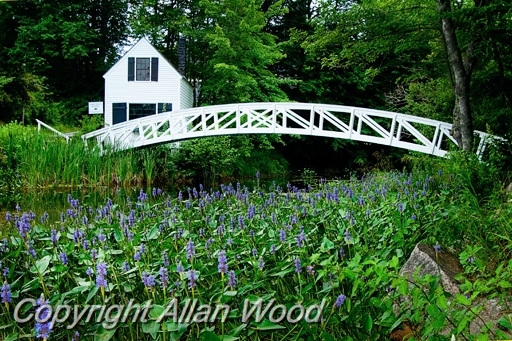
point(359, 124)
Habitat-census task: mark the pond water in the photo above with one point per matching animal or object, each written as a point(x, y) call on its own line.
point(54, 201)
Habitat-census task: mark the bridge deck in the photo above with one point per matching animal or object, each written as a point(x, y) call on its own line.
point(354, 123)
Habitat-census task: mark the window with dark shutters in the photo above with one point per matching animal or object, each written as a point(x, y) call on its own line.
point(131, 69)
point(154, 69)
point(142, 69)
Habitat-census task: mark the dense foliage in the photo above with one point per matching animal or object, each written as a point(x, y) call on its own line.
point(446, 60)
point(340, 241)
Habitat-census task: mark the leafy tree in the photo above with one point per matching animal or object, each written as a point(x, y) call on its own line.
point(69, 44)
point(411, 42)
point(238, 70)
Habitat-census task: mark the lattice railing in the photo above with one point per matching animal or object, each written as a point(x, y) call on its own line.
point(359, 124)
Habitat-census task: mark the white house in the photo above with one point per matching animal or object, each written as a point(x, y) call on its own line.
point(144, 83)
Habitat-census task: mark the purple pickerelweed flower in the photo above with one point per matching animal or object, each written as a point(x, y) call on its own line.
point(85, 244)
point(94, 254)
point(89, 271)
point(232, 279)
point(164, 276)
point(191, 250)
point(6, 272)
point(414, 217)
point(6, 293)
point(254, 252)
point(142, 249)
point(63, 258)
point(220, 230)
point(136, 256)
point(101, 281)
point(298, 266)
point(126, 266)
point(148, 280)
point(179, 268)
point(348, 237)
point(273, 249)
point(437, 248)
point(76, 336)
point(400, 207)
point(223, 266)
point(361, 201)
point(23, 225)
point(43, 319)
point(77, 235)
point(53, 237)
point(31, 250)
point(310, 270)
point(251, 211)
point(282, 236)
point(258, 175)
point(230, 241)
point(251, 233)
point(165, 259)
point(261, 263)
point(8, 217)
point(101, 237)
point(340, 300)
point(301, 238)
point(342, 253)
point(192, 279)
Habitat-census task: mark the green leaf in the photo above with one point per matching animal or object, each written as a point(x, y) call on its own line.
point(151, 328)
point(284, 272)
point(504, 322)
point(327, 337)
point(367, 322)
point(153, 233)
point(461, 299)
point(327, 244)
point(504, 284)
point(118, 235)
point(30, 285)
point(156, 311)
point(267, 325)
point(210, 336)
point(92, 293)
point(11, 337)
point(42, 265)
point(103, 334)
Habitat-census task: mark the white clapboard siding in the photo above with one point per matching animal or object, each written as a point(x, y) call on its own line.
point(187, 96)
point(171, 86)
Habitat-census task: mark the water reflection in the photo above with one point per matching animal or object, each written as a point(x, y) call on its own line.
point(55, 200)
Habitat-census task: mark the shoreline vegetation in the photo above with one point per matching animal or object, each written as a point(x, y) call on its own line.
point(336, 244)
point(32, 160)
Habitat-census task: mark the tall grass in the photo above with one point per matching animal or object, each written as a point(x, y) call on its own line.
point(43, 160)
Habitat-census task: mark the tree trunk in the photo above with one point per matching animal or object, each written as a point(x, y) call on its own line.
point(462, 129)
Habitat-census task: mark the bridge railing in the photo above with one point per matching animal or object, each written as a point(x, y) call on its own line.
point(42, 124)
point(368, 125)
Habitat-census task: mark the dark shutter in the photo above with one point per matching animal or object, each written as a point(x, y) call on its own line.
point(154, 69)
point(118, 112)
point(131, 69)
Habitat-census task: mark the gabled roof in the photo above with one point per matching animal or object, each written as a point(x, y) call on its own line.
point(127, 53)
